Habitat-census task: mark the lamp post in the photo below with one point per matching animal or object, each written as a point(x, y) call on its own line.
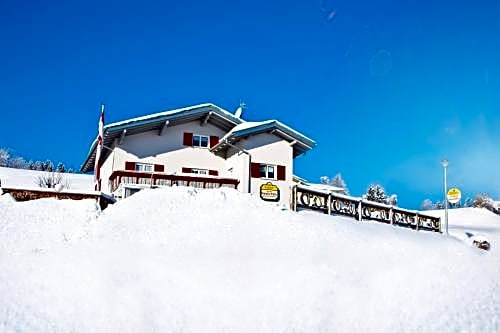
point(445, 163)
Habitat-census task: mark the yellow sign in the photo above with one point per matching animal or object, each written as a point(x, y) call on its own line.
point(269, 192)
point(454, 195)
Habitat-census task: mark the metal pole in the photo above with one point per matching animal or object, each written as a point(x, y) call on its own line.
point(445, 201)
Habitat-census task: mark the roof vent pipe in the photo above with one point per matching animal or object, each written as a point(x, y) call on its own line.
point(239, 110)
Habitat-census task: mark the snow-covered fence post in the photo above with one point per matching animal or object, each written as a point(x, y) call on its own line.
point(329, 204)
point(416, 220)
point(360, 210)
point(391, 215)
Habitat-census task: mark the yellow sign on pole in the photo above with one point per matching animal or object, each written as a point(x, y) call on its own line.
point(454, 195)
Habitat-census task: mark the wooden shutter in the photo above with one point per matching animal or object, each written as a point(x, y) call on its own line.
point(187, 139)
point(281, 172)
point(255, 170)
point(186, 170)
point(159, 168)
point(213, 140)
point(213, 172)
point(130, 166)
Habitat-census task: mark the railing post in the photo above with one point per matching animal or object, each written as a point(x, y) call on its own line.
point(416, 220)
point(328, 203)
point(294, 199)
point(391, 215)
point(360, 211)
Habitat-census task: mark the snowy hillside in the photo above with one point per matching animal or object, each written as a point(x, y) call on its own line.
point(21, 178)
point(185, 260)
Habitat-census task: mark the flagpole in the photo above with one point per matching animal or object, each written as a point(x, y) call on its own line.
point(100, 144)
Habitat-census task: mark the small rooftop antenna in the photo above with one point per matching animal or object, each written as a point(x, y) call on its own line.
point(239, 110)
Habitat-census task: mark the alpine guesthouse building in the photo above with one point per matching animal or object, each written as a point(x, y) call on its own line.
point(203, 146)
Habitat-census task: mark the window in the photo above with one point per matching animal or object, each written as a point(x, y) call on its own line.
point(267, 171)
point(200, 141)
point(199, 171)
point(143, 167)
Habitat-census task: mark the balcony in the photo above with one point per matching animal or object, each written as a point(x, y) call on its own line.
point(153, 179)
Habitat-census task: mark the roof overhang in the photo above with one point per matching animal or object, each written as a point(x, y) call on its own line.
point(299, 142)
point(115, 132)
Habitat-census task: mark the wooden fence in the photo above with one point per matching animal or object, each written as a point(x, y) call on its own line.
point(359, 209)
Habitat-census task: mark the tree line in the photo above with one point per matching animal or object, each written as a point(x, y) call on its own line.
point(17, 162)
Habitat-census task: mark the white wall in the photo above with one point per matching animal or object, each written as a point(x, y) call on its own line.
point(168, 150)
point(268, 149)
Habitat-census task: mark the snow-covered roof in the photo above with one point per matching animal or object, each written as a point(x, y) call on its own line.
point(236, 127)
point(301, 142)
point(157, 121)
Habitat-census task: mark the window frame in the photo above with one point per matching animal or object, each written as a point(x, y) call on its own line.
point(266, 172)
point(199, 137)
point(141, 167)
point(197, 171)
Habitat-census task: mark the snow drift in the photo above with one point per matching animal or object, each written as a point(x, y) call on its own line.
point(185, 260)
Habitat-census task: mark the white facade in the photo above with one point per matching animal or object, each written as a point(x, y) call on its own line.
point(259, 160)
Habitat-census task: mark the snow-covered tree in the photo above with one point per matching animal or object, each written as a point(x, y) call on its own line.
point(336, 181)
point(17, 162)
point(439, 205)
point(48, 166)
point(4, 157)
point(376, 192)
point(38, 165)
point(392, 200)
point(60, 167)
point(469, 202)
point(427, 204)
point(482, 200)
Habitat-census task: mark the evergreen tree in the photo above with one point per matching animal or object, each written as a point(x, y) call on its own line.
point(60, 167)
point(38, 165)
point(48, 166)
point(376, 192)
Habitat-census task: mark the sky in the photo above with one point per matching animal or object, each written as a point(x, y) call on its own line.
point(387, 89)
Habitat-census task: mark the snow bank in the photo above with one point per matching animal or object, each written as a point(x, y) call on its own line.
point(188, 260)
point(10, 177)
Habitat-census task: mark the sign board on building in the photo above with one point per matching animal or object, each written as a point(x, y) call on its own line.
point(454, 195)
point(269, 192)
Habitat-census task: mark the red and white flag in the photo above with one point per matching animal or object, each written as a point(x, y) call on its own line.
point(97, 164)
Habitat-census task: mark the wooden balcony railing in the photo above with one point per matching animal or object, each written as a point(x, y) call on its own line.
point(127, 177)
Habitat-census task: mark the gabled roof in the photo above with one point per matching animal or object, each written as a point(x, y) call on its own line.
point(301, 143)
point(205, 112)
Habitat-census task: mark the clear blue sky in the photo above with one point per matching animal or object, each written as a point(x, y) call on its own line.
point(386, 88)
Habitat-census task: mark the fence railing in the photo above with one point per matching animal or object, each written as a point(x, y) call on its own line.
point(125, 177)
point(359, 209)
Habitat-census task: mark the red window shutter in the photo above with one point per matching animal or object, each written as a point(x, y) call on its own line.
point(188, 139)
point(281, 172)
point(213, 172)
point(130, 166)
point(159, 168)
point(186, 170)
point(255, 170)
point(213, 140)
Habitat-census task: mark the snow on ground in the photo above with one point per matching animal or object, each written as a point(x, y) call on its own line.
point(469, 224)
point(11, 177)
point(185, 260)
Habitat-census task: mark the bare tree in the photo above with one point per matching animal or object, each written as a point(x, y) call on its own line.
point(51, 179)
point(4, 157)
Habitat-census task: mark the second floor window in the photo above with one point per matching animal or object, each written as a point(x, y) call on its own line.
point(200, 141)
point(143, 167)
point(267, 171)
